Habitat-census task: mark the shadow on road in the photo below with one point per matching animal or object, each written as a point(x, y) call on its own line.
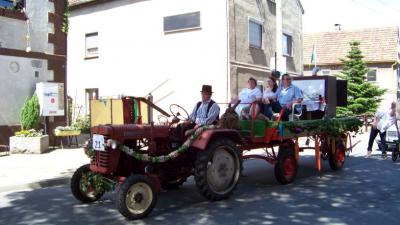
point(365, 192)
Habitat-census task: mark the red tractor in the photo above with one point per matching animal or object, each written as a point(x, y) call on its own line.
point(213, 158)
point(140, 159)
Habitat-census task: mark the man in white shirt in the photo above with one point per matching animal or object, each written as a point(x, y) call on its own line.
point(382, 121)
point(205, 112)
point(248, 95)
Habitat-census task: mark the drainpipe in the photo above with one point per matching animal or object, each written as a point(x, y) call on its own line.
point(278, 34)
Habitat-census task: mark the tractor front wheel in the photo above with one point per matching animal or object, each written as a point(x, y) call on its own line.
point(337, 158)
point(217, 169)
point(85, 195)
point(136, 197)
point(286, 166)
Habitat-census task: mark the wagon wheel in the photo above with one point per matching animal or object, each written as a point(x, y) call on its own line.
point(337, 158)
point(179, 112)
point(395, 153)
point(217, 169)
point(85, 196)
point(286, 166)
point(136, 197)
point(324, 146)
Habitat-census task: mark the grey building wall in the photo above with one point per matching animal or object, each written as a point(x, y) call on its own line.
point(246, 61)
point(293, 25)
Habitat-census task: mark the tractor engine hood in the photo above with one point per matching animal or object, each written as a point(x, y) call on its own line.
point(131, 131)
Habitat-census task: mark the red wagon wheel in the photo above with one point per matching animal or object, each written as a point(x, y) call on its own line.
point(337, 158)
point(286, 165)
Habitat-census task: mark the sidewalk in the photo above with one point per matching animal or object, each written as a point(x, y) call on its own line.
point(19, 171)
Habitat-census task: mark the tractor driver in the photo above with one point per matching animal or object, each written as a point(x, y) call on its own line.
point(205, 112)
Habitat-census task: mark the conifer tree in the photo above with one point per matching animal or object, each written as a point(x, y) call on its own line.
point(363, 97)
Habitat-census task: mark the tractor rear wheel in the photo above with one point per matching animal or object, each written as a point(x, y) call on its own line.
point(136, 197)
point(286, 166)
point(85, 196)
point(337, 158)
point(217, 169)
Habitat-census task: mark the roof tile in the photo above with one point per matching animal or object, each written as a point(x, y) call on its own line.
point(377, 45)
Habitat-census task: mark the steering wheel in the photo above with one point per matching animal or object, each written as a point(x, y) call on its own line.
point(179, 112)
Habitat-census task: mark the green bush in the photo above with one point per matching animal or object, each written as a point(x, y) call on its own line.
point(29, 116)
point(83, 124)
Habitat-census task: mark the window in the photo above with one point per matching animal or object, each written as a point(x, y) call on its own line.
point(182, 22)
point(371, 75)
point(255, 33)
point(326, 72)
point(287, 44)
point(92, 49)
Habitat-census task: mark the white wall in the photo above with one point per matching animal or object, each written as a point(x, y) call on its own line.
point(135, 55)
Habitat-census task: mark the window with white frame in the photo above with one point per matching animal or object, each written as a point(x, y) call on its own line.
point(255, 33)
point(287, 44)
point(371, 75)
point(326, 72)
point(91, 45)
point(181, 22)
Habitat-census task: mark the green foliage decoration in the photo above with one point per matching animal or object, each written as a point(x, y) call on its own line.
point(333, 127)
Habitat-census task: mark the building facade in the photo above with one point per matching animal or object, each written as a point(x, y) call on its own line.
point(130, 47)
point(32, 50)
point(378, 45)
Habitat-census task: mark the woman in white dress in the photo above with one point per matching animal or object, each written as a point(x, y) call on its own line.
point(247, 96)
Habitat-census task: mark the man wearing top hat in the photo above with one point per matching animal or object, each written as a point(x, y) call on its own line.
point(205, 112)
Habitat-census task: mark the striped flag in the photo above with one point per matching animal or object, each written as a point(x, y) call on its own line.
point(314, 56)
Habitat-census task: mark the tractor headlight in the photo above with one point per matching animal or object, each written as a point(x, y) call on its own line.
point(113, 144)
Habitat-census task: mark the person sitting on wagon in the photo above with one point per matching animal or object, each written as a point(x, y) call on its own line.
point(287, 95)
point(382, 121)
point(269, 97)
point(247, 96)
point(205, 112)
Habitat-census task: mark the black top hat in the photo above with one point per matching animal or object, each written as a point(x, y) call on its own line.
point(207, 88)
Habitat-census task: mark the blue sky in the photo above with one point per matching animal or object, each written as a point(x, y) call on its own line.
point(322, 15)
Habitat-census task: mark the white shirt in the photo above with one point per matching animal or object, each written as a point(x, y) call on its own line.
point(247, 96)
point(200, 117)
point(268, 93)
point(385, 121)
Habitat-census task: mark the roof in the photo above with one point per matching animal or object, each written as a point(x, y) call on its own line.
point(73, 3)
point(377, 45)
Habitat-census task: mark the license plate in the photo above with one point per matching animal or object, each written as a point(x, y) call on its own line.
point(98, 142)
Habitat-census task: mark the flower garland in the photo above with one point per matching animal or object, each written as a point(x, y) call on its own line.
point(159, 159)
point(93, 181)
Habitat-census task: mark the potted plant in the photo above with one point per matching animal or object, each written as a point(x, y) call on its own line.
point(30, 139)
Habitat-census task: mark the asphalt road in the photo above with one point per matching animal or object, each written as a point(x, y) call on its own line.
point(366, 191)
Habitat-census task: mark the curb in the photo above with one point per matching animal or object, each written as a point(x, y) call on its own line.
point(37, 185)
